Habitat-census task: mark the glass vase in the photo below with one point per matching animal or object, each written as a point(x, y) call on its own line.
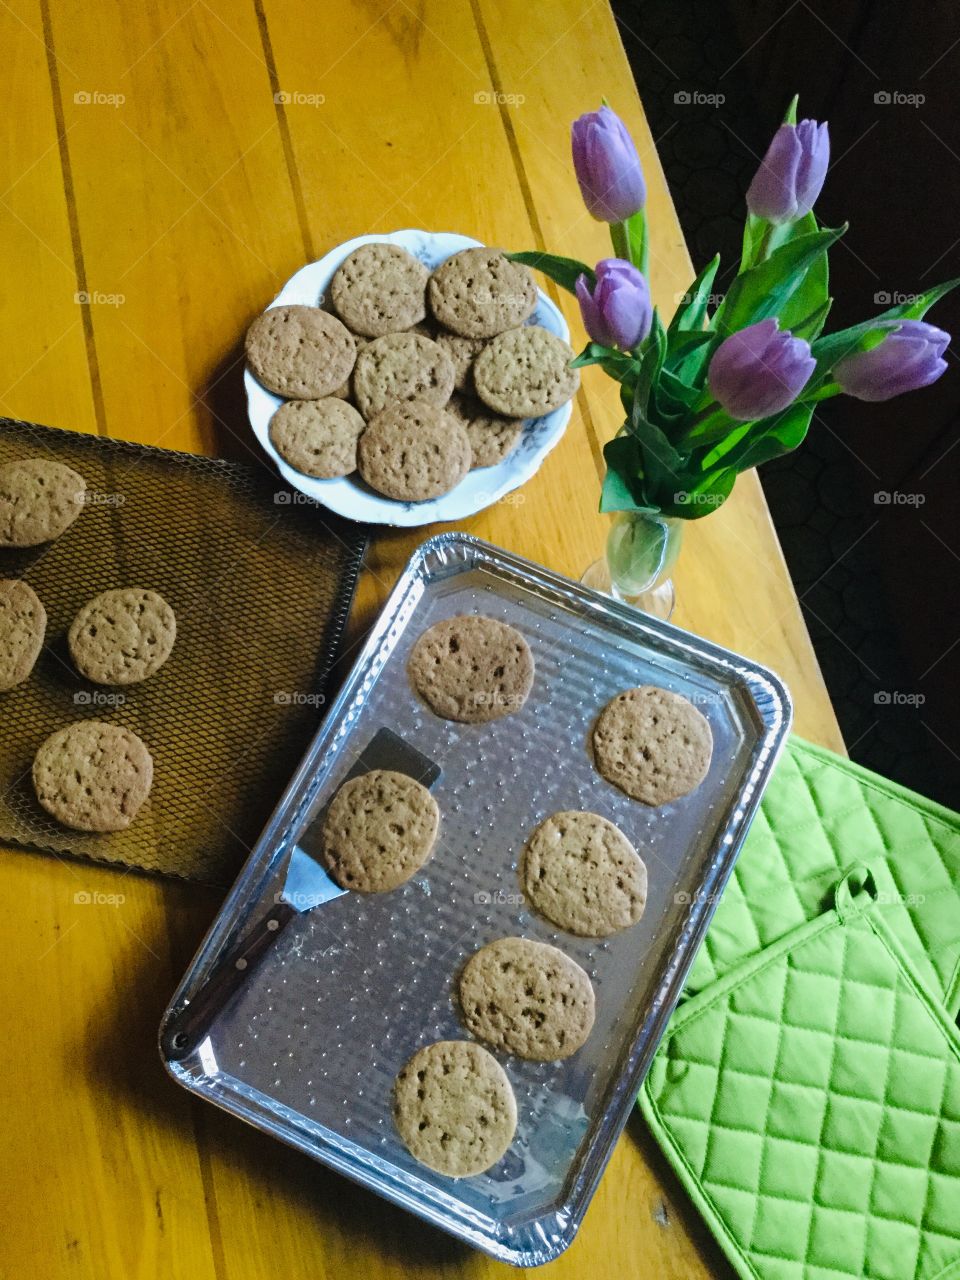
point(641, 550)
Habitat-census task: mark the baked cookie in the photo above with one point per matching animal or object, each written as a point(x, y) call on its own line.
point(93, 776)
point(462, 351)
point(652, 744)
point(527, 998)
point(492, 437)
point(23, 624)
point(525, 373)
point(379, 830)
point(583, 874)
point(318, 437)
point(454, 1108)
point(39, 500)
point(301, 353)
point(122, 636)
point(401, 367)
point(480, 292)
point(380, 288)
point(413, 452)
point(471, 668)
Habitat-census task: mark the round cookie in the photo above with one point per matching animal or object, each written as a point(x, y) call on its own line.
point(480, 292)
point(122, 636)
point(318, 437)
point(454, 1108)
point(462, 351)
point(525, 373)
point(401, 367)
point(472, 669)
point(583, 874)
point(301, 353)
point(413, 452)
point(527, 998)
point(380, 288)
point(23, 624)
point(492, 437)
point(39, 500)
point(379, 830)
point(93, 776)
point(652, 744)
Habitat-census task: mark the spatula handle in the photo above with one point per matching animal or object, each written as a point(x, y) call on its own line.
point(184, 1031)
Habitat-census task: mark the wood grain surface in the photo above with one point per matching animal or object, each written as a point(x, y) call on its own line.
point(165, 168)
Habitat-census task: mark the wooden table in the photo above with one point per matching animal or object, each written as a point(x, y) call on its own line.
point(175, 162)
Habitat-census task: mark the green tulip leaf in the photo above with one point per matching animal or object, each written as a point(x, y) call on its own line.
point(629, 240)
point(692, 311)
point(563, 271)
point(760, 441)
point(623, 483)
point(790, 284)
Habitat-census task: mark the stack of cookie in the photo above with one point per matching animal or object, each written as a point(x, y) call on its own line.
point(417, 377)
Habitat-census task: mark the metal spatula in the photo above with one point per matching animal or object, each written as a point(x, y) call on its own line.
point(306, 885)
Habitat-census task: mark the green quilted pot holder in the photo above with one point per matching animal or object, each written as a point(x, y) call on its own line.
point(810, 1102)
point(818, 807)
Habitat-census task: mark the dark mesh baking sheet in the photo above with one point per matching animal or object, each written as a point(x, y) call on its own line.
point(261, 584)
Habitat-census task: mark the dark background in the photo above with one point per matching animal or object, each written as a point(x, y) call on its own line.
point(879, 581)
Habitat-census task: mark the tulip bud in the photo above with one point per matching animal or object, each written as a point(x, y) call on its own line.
point(617, 313)
point(909, 358)
point(759, 370)
point(607, 166)
point(792, 173)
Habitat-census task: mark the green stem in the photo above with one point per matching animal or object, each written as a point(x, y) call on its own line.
point(620, 238)
point(822, 393)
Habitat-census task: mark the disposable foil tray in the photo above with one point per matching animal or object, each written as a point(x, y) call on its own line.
point(309, 1048)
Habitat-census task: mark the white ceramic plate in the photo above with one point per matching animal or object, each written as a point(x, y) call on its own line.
point(349, 496)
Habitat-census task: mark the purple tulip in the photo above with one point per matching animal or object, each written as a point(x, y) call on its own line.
point(759, 370)
point(608, 167)
point(909, 358)
point(791, 175)
point(617, 313)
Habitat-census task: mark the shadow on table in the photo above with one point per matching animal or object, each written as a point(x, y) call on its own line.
point(124, 1061)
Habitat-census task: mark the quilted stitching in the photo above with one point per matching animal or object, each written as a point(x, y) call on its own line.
point(820, 813)
point(811, 1103)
